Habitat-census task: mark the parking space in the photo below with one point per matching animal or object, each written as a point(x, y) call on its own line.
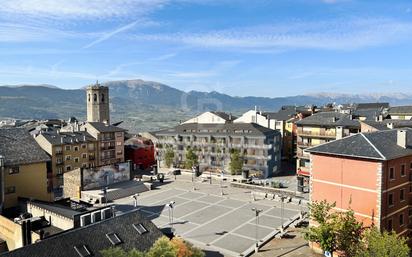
point(209, 219)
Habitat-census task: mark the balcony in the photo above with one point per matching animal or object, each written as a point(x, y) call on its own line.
point(328, 134)
point(304, 144)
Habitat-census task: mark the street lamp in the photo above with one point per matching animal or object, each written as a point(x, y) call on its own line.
point(171, 206)
point(282, 211)
point(221, 184)
point(135, 199)
point(257, 212)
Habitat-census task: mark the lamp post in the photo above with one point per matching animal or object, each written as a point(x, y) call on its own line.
point(221, 184)
point(282, 211)
point(171, 206)
point(135, 199)
point(1, 182)
point(257, 212)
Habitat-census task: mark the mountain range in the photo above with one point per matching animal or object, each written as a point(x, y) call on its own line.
point(147, 105)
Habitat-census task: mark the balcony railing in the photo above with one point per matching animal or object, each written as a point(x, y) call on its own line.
point(316, 133)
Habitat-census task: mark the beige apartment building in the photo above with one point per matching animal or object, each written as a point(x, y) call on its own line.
point(68, 151)
point(110, 142)
point(318, 129)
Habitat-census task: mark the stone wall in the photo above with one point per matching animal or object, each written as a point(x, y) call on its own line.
point(72, 184)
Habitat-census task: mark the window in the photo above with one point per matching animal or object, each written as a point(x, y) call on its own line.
point(389, 225)
point(67, 147)
point(140, 228)
point(102, 98)
point(82, 251)
point(410, 212)
point(10, 190)
point(118, 143)
point(390, 200)
point(68, 157)
point(59, 170)
point(84, 146)
point(391, 173)
point(89, 97)
point(76, 160)
point(119, 152)
point(113, 238)
point(76, 148)
point(402, 194)
point(84, 165)
point(410, 166)
point(84, 156)
point(401, 221)
point(14, 170)
point(68, 168)
point(95, 97)
point(403, 173)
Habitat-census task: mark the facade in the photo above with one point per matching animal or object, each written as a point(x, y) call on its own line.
point(23, 168)
point(212, 117)
point(140, 151)
point(282, 121)
point(98, 103)
point(213, 144)
point(110, 142)
point(369, 172)
point(68, 151)
point(318, 129)
point(400, 112)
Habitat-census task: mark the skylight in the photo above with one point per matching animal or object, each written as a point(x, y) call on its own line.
point(140, 228)
point(114, 238)
point(82, 251)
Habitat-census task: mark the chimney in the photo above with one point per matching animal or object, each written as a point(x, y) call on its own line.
point(339, 132)
point(402, 139)
point(334, 119)
point(62, 140)
point(390, 125)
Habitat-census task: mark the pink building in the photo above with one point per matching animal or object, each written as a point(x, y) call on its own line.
point(371, 173)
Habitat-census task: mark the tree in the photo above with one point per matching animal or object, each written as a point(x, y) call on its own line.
point(348, 233)
point(386, 244)
point(163, 247)
point(236, 162)
point(334, 231)
point(191, 159)
point(169, 156)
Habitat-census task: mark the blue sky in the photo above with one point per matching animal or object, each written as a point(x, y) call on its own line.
point(245, 47)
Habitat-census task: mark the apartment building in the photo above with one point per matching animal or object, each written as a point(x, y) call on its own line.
point(377, 125)
point(212, 117)
point(369, 172)
point(318, 129)
point(282, 120)
point(68, 151)
point(110, 142)
point(23, 168)
point(400, 112)
point(213, 144)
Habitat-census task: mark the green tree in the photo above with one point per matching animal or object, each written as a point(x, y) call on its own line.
point(334, 230)
point(163, 248)
point(386, 244)
point(169, 156)
point(119, 252)
point(236, 162)
point(191, 158)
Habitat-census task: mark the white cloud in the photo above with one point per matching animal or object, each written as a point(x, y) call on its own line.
point(75, 9)
point(337, 34)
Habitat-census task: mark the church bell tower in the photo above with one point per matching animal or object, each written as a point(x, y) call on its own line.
point(98, 103)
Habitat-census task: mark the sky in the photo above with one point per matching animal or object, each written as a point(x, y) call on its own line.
point(238, 47)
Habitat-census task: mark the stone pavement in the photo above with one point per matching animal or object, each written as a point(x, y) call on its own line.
point(292, 246)
point(224, 223)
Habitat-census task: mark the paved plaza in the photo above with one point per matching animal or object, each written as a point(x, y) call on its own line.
point(206, 218)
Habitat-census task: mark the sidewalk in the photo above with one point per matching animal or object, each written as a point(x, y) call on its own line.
point(294, 246)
